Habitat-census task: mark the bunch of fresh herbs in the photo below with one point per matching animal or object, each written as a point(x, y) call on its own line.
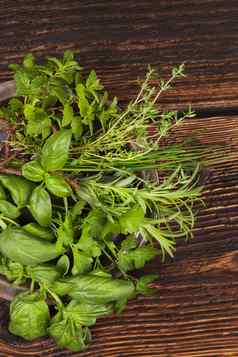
point(89, 192)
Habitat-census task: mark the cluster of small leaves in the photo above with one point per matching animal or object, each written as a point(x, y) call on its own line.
point(96, 198)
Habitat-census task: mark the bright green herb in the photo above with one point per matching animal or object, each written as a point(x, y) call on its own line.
point(96, 195)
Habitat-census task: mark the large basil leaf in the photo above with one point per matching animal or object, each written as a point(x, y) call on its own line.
point(57, 185)
point(94, 289)
point(33, 171)
point(9, 210)
point(55, 151)
point(39, 231)
point(20, 189)
point(68, 334)
point(22, 247)
point(86, 314)
point(40, 206)
point(43, 273)
point(29, 316)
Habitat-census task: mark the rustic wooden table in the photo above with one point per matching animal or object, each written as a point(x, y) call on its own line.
point(195, 313)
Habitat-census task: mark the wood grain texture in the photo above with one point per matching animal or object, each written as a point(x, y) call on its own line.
point(195, 313)
point(120, 38)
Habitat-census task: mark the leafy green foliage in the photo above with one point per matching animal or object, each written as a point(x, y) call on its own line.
point(132, 257)
point(39, 231)
point(19, 188)
point(56, 150)
point(22, 247)
point(40, 206)
point(33, 171)
point(68, 333)
point(29, 316)
point(57, 185)
point(143, 284)
point(8, 209)
point(97, 194)
point(94, 289)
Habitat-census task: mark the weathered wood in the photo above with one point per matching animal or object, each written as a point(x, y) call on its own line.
point(195, 312)
point(120, 39)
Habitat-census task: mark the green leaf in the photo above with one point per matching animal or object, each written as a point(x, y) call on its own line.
point(91, 228)
point(19, 188)
point(57, 185)
point(29, 61)
point(65, 233)
point(131, 220)
point(86, 314)
point(3, 195)
point(129, 243)
point(43, 273)
point(95, 289)
point(29, 316)
point(66, 326)
point(82, 262)
point(136, 259)
point(166, 245)
point(40, 206)
point(33, 171)
point(63, 264)
point(77, 127)
point(68, 334)
point(9, 210)
point(110, 229)
point(38, 121)
point(83, 102)
point(39, 127)
point(55, 151)
point(77, 209)
point(68, 56)
point(142, 286)
point(59, 92)
point(22, 247)
point(93, 84)
point(68, 115)
point(39, 231)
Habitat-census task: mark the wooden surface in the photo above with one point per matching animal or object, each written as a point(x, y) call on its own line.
point(195, 313)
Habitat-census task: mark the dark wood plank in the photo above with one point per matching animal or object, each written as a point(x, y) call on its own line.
point(195, 312)
point(120, 38)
